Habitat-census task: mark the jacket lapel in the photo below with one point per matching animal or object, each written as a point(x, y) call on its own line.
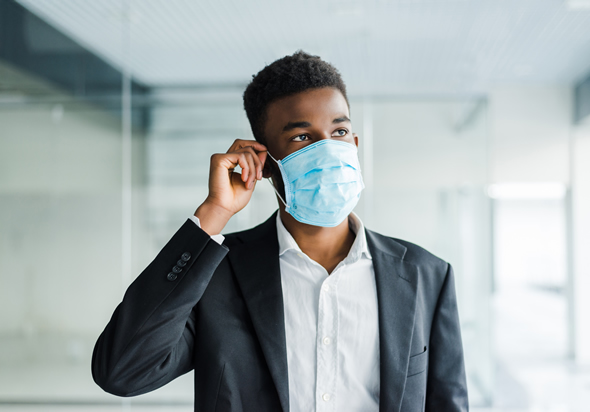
point(396, 283)
point(256, 265)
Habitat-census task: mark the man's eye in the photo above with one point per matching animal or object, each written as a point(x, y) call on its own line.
point(300, 138)
point(344, 132)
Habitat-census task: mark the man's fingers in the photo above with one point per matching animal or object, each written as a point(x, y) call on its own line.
point(258, 165)
point(240, 144)
point(249, 173)
point(229, 189)
point(252, 170)
point(243, 162)
point(251, 162)
point(259, 153)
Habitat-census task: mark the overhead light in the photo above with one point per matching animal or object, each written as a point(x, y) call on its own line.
point(542, 190)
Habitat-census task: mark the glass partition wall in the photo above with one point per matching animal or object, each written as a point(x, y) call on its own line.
point(69, 220)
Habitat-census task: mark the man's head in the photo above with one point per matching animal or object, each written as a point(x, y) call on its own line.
point(293, 102)
point(285, 77)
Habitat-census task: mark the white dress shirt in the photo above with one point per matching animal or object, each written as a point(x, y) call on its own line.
point(331, 326)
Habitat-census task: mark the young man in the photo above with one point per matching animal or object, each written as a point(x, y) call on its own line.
point(307, 311)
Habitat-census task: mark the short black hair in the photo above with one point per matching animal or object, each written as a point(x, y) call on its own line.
point(284, 77)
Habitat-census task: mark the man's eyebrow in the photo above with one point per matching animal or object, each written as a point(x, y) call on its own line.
point(341, 119)
point(295, 125)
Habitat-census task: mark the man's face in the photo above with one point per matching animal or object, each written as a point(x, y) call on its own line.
point(296, 121)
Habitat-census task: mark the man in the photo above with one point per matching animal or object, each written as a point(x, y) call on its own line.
point(307, 311)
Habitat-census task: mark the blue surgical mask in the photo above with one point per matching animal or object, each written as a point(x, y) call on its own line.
point(323, 182)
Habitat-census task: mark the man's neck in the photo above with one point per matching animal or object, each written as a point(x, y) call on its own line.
point(327, 246)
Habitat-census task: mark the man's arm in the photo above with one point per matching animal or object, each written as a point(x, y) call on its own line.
point(149, 339)
point(446, 388)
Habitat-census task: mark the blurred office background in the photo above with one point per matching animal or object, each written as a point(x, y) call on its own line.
point(474, 124)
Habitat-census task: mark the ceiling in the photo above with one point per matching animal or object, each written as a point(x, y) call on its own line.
point(400, 47)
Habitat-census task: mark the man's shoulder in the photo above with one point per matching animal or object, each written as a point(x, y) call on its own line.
point(408, 252)
point(265, 231)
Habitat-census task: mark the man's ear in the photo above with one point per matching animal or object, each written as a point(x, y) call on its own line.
point(356, 139)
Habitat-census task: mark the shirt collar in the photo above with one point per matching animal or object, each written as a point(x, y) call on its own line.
point(358, 249)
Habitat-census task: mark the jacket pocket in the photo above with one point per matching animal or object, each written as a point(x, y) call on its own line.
point(418, 363)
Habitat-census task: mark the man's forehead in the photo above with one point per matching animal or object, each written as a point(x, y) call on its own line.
point(311, 98)
point(299, 108)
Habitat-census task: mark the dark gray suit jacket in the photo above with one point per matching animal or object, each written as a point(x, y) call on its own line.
point(223, 317)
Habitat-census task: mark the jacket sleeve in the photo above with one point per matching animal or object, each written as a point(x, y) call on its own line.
point(446, 387)
point(149, 339)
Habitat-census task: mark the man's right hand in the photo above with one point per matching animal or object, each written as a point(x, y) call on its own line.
point(230, 192)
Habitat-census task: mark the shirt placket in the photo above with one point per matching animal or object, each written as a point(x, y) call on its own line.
point(327, 345)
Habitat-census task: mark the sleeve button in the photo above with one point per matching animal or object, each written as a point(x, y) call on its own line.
point(171, 277)
point(176, 269)
point(186, 256)
point(181, 263)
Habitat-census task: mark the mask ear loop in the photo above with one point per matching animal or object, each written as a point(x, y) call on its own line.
point(272, 184)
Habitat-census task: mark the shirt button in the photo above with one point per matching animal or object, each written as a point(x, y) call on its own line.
point(326, 287)
point(327, 341)
point(300, 255)
point(326, 397)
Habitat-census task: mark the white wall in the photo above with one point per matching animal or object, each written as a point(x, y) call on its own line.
point(529, 132)
point(581, 237)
